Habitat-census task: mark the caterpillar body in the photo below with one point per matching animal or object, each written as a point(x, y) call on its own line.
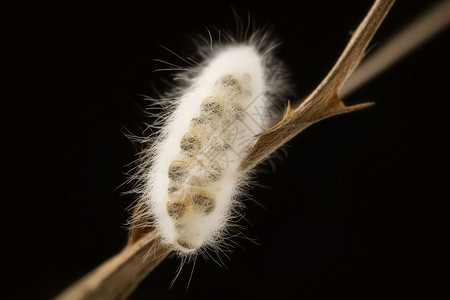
point(191, 185)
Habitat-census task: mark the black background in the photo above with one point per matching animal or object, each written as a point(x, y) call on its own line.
point(357, 207)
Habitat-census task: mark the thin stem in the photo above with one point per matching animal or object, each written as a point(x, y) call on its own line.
point(428, 25)
point(116, 278)
point(323, 101)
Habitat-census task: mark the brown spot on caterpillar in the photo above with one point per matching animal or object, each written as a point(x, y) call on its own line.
point(212, 107)
point(234, 84)
point(178, 169)
point(228, 81)
point(173, 187)
point(198, 121)
point(176, 209)
point(190, 143)
point(204, 202)
point(186, 245)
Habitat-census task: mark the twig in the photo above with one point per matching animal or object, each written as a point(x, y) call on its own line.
point(117, 277)
point(415, 34)
point(323, 102)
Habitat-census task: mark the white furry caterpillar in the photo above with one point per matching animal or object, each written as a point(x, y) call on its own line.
point(190, 182)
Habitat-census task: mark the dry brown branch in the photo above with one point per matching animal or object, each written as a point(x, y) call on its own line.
point(323, 102)
point(415, 34)
point(117, 277)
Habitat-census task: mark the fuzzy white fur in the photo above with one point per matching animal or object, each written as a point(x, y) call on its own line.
point(240, 78)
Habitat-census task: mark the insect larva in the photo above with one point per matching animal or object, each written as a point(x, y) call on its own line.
point(191, 183)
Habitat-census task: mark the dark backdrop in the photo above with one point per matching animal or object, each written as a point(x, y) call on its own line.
point(357, 207)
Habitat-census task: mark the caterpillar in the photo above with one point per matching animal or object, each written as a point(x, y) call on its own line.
point(190, 185)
